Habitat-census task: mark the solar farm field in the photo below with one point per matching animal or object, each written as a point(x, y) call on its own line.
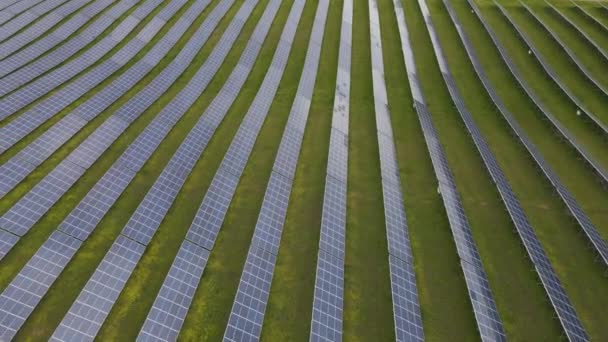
point(292, 170)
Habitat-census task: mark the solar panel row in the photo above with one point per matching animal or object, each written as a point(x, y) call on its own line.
point(484, 308)
point(211, 213)
point(247, 314)
point(42, 26)
point(143, 223)
point(326, 321)
point(551, 72)
point(564, 310)
point(406, 307)
point(563, 131)
point(577, 212)
point(49, 142)
point(23, 19)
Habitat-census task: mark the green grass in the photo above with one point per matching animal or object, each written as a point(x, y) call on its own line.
point(587, 25)
point(287, 316)
point(368, 312)
point(583, 51)
point(214, 298)
point(599, 13)
point(557, 102)
point(442, 293)
point(557, 58)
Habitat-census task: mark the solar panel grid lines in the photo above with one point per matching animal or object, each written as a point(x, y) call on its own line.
point(406, 309)
point(328, 299)
point(577, 28)
point(20, 297)
point(561, 130)
point(83, 219)
point(550, 71)
point(21, 216)
point(565, 47)
point(457, 218)
point(581, 217)
point(87, 313)
point(247, 313)
point(565, 312)
point(170, 307)
point(7, 241)
point(23, 19)
point(38, 28)
point(27, 63)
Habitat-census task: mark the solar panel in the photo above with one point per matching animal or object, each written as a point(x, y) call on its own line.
point(326, 324)
point(406, 307)
point(7, 241)
point(269, 227)
point(26, 290)
point(87, 313)
point(211, 213)
point(484, 307)
point(328, 298)
point(247, 314)
point(169, 310)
